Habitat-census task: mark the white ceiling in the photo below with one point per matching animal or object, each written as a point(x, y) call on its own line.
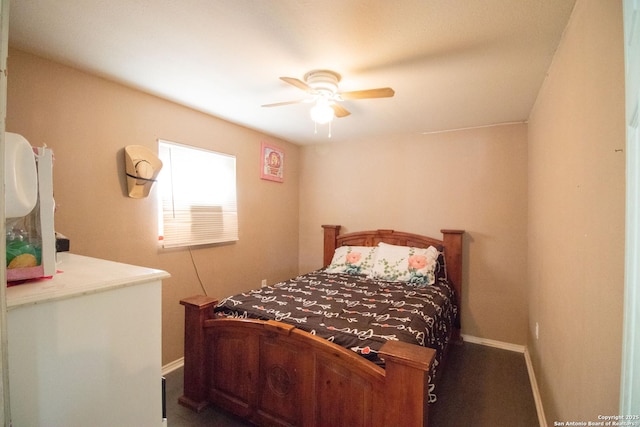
point(452, 63)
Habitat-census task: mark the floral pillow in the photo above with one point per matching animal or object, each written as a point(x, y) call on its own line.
point(353, 260)
point(406, 264)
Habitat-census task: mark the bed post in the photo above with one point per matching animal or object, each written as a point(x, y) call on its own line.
point(330, 236)
point(452, 240)
point(453, 251)
point(197, 310)
point(406, 383)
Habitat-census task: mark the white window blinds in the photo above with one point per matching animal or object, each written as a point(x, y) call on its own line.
point(198, 196)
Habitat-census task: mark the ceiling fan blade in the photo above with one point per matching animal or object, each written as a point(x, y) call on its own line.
point(339, 110)
point(298, 83)
point(278, 104)
point(383, 92)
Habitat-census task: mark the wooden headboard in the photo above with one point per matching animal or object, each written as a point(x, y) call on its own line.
point(451, 241)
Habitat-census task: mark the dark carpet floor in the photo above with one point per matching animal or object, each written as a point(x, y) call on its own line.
point(481, 386)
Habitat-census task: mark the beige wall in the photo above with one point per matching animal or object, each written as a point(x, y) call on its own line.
point(576, 218)
point(474, 180)
point(87, 121)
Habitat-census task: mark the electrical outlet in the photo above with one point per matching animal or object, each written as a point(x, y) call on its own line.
point(537, 331)
point(264, 283)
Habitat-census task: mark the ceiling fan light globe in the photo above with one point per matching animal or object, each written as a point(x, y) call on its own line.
point(322, 113)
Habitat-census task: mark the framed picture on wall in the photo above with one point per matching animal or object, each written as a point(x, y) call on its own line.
point(272, 163)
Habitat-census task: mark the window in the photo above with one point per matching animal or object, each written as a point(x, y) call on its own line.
point(197, 196)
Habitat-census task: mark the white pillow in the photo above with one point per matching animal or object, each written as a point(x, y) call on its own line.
point(353, 260)
point(406, 264)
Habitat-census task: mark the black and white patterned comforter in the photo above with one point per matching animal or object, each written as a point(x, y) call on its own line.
point(354, 311)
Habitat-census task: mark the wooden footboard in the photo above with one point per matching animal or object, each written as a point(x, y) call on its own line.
point(271, 373)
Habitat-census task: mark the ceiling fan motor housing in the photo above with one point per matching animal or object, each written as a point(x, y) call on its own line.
point(323, 81)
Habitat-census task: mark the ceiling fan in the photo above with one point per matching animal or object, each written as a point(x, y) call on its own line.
point(323, 86)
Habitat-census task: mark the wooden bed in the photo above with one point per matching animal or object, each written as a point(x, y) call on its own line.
point(273, 374)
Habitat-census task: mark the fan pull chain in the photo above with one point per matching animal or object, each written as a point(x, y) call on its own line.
point(315, 129)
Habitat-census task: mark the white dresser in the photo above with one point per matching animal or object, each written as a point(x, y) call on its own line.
point(85, 346)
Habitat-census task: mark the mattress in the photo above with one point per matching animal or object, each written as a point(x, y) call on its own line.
point(355, 311)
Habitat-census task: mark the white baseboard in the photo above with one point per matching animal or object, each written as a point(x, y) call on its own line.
point(534, 388)
point(172, 366)
point(493, 343)
point(527, 358)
